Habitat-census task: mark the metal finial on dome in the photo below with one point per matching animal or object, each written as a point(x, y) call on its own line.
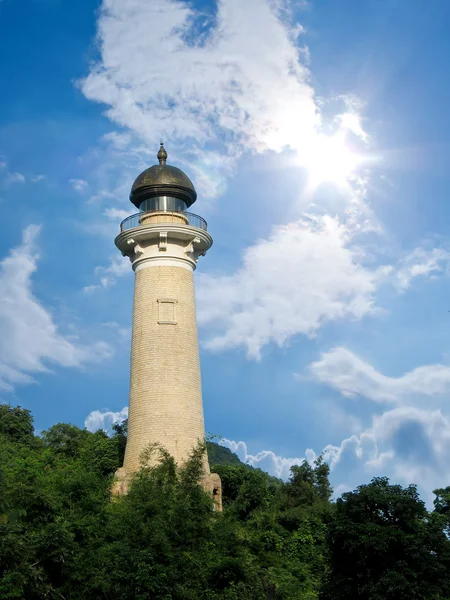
point(162, 154)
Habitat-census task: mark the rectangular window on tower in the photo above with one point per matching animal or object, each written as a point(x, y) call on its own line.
point(167, 311)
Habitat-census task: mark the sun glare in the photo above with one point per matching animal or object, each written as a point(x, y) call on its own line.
point(330, 160)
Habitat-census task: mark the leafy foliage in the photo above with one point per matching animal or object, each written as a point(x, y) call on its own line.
point(384, 545)
point(16, 423)
point(62, 536)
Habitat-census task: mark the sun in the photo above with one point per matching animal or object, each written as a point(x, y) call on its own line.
point(330, 160)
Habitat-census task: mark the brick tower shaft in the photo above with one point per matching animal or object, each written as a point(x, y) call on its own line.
point(165, 386)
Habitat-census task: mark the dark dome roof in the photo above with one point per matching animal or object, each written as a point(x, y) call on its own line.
point(162, 180)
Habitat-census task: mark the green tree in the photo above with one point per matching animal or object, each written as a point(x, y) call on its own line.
point(53, 498)
point(65, 440)
point(120, 434)
point(384, 546)
point(16, 423)
point(282, 526)
point(62, 536)
point(442, 507)
point(164, 540)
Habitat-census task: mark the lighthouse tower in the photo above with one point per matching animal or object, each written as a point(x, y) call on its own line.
point(164, 241)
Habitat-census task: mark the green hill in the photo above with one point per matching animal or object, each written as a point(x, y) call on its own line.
point(219, 455)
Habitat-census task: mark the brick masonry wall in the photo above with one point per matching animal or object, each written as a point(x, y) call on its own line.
point(165, 385)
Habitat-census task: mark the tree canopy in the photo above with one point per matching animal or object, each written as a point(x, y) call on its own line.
point(62, 536)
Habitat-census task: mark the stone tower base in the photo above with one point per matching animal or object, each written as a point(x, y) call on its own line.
point(121, 483)
point(211, 483)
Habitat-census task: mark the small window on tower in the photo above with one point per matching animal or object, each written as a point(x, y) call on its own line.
point(166, 311)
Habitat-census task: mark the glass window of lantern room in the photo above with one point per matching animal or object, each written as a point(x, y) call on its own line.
point(163, 203)
point(167, 311)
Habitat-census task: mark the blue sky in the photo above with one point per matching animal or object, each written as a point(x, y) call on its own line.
point(318, 137)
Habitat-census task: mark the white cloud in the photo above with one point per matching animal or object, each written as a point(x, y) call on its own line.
point(363, 447)
point(10, 178)
point(98, 419)
point(116, 214)
point(304, 275)
point(118, 267)
point(280, 466)
point(266, 460)
point(123, 333)
point(38, 178)
point(351, 376)
point(185, 85)
point(14, 177)
point(420, 442)
point(103, 195)
point(351, 121)
point(341, 489)
point(408, 444)
point(421, 262)
point(79, 185)
point(29, 339)
point(213, 87)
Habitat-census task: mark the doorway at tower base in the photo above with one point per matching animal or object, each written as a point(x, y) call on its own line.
point(211, 483)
